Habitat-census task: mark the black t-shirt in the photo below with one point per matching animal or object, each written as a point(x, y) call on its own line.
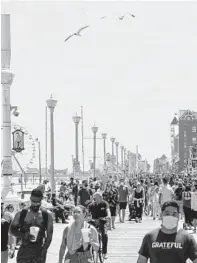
point(85, 195)
point(98, 210)
point(171, 248)
point(5, 224)
point(178, 193)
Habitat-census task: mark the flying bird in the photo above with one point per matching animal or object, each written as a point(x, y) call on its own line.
point(103, 17)
point(132, 15)
point(121, 18)
point(77, 33)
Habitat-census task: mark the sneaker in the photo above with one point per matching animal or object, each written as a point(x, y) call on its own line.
point(105, 256)
point(113, 227)
point(194, 231)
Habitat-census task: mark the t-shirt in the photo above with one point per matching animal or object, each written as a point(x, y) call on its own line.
point(5, 224)
point(166, 192)
point(171, 248)
point(85, 195)
point(178, 193)
point(123, 193)
point(98, 210)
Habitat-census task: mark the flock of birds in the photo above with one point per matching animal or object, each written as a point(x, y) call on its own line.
point(78, 33)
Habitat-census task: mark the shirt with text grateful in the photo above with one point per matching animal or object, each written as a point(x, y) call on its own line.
point(171, 248)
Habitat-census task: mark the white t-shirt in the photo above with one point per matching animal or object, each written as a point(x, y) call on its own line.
point(166, 192)
point(194, 201)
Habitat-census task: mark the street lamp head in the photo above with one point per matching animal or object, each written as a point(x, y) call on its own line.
point(112, 139)
point(117, 143)
point(122, 147)
point(94, 129)
point(51, 103)
point(104, 135)
point(76, 119)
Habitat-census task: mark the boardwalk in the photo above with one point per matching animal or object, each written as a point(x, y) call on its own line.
point(124, 242)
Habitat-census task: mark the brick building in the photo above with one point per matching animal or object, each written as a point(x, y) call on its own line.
point(186, 137)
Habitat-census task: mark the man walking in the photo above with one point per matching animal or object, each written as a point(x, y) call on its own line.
point(33, 249)
point(123, 194)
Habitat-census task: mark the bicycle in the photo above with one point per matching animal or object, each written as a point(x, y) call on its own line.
point(98, 255)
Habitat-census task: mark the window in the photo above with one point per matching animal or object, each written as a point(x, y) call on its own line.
point(194, 129)
point(194, 140)
point(188, 118)
point(185, 155)
point(185, 144)
point(185, 133)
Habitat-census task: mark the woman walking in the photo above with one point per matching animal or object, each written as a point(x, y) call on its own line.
point(110, 195)
point(78, 248)
point(138, 198)
point(187, 207)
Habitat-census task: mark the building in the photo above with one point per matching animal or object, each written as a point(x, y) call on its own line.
point(161, 165)
point(183, 136)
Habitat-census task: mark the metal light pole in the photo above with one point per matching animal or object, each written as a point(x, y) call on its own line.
point(129, 162)
point(6, 82)
point(46, 143)
point(125, 153)
point(94, 129)
point(76, 120)
point(137, 163)
point(51, 103)
point(117, 144)
point(113, 141)
point(104, 136)
point(122, 149)
point(39, 158)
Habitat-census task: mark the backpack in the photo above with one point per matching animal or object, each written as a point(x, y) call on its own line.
point(24, 213)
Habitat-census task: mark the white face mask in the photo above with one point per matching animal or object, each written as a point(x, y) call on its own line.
point(170, 222)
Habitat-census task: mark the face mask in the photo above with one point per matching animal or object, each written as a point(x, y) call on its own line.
point(35, 208)
point(170, 222)
point(121, 184)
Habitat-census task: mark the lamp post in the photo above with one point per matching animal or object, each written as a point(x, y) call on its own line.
point(117, 144)
point(129, 162)
point(104, 136)
point(137, 161)
point(76, 120)
point(6, 82)
point(113, 141)
point(122, 150)
point(51, 103)
point(39, 161)
point(125, 153)
point(94, 129)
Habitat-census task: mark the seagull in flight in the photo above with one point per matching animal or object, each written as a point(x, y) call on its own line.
point(103, 17)
point(121, 18)
point(77, 33)
point(132, 15)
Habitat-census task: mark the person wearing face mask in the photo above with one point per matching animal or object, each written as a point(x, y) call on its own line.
point(168, 243)
point(78, 249)
point(194, 205)
point(85, 194)
point(32, 249)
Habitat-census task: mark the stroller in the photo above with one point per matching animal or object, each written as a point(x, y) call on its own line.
point(132, 212)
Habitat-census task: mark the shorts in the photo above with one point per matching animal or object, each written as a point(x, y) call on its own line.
point(113, 210)
point(194, 214)
point(123, 205)
point(4, 256)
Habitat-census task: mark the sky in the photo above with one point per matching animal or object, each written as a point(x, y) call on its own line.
point(130, 76)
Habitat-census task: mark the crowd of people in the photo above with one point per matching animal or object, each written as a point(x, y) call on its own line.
point(94, 205)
